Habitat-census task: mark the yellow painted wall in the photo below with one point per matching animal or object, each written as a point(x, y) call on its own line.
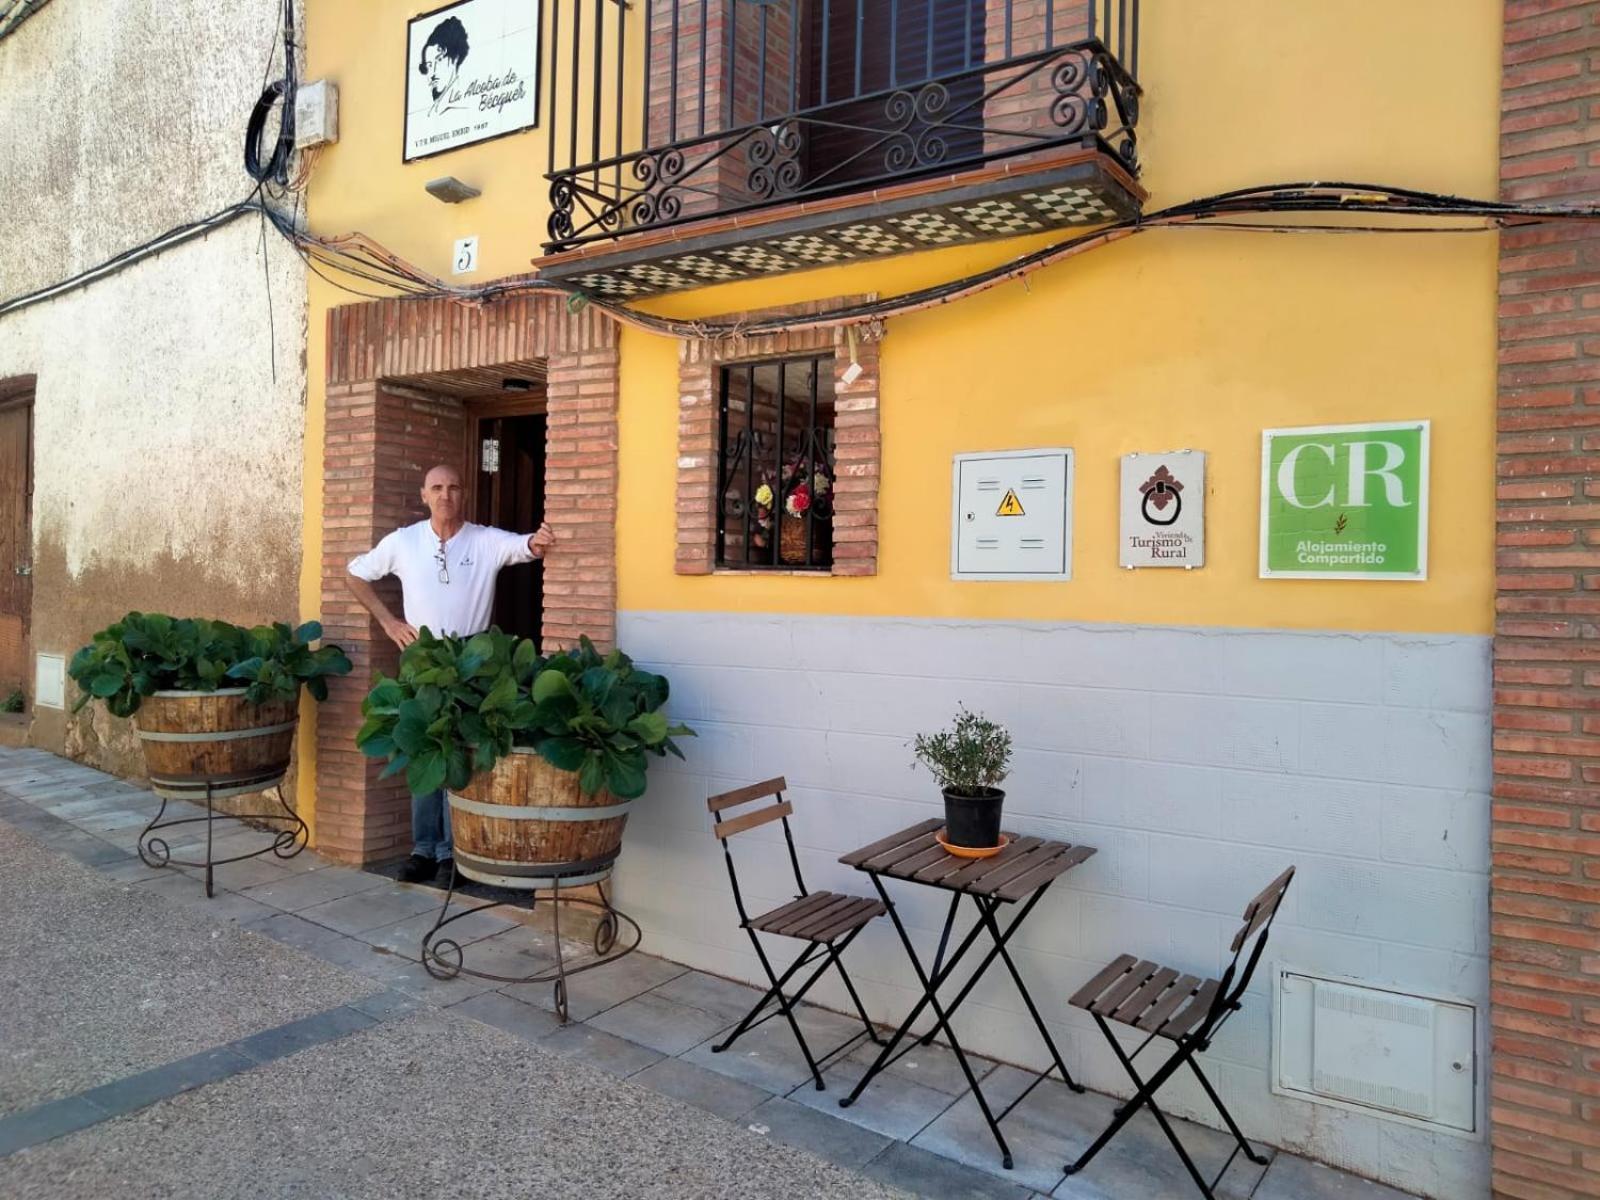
point(1179, 338)
point(1174, 338)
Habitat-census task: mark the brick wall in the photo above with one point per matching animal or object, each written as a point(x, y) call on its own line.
point(856, 465)
point(377, 446)
point(1545, 975)
point(379, 440)
point(580, 582)
point(695, 101)
point(1026, 105)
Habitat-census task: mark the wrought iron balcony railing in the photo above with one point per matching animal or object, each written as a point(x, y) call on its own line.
point(666, 111)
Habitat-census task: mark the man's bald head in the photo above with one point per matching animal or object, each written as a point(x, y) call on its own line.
point(444, 497)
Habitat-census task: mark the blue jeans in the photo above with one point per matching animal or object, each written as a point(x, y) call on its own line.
point(430, 826)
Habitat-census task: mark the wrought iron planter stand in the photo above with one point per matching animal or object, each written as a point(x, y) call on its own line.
point(443, 957)
point(285, 843)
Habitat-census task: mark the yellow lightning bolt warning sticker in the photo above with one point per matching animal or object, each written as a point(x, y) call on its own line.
point(1010, 506)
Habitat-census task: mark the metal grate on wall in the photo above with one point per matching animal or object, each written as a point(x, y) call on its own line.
point(14, 12)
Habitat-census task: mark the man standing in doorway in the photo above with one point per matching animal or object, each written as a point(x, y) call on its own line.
point(447, 568)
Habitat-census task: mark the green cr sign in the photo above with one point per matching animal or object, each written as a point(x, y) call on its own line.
point(1345, 502)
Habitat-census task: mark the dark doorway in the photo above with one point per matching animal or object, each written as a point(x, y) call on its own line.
point(508, 456)
point(16, 538)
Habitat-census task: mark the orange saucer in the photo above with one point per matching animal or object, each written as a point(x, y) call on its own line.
point(970, 851)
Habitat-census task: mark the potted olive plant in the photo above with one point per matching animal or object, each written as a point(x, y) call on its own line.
point(969, 760)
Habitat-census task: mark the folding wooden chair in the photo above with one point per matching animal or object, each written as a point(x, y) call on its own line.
point(1184, 1010)
point(826, 921)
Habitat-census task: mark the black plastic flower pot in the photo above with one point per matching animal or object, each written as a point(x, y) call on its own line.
point(973, 821)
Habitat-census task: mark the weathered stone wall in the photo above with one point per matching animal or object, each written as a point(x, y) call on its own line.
point(170, 397)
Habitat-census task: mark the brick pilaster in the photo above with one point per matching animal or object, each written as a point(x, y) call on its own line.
point(377, 446)
point(697, 88)
point(1545, 972)
point(580, 582)
point(1013, 28)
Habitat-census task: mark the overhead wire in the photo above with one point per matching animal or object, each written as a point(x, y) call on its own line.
point(367, 261)
point(1204, 212)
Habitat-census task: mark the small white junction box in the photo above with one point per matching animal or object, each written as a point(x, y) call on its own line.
point(316, 114)
point(1012, 515)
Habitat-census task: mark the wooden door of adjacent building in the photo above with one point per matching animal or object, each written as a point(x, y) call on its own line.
point(16, 536)
point(508, 454)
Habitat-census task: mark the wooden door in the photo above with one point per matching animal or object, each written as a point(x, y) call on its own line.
point(511, 496)
point(16, 538)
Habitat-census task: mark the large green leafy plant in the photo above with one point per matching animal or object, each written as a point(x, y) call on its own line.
point(149, 652)
point(458, 705)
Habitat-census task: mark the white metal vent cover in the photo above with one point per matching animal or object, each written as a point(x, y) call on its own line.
point(50, 681)
point(1393, 1054)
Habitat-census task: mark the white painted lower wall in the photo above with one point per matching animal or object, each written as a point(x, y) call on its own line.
point(1200, 763)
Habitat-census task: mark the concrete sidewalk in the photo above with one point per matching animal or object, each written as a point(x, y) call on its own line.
point(282, 1039)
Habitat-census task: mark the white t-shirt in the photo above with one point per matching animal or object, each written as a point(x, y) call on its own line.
point(472, 560)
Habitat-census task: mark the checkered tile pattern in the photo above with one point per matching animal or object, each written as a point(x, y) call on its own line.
point(872, 239)
point(998, 218)
point(809, 248)
point(609, 286)
point(654, 276)
point(1070, 206)
point(703, 268)
point(1002, 216)
point(756, 257)
point(931, 229)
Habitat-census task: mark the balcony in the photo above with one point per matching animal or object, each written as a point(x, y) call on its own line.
point(695, 142)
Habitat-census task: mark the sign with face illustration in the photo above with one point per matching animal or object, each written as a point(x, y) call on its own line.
point(1163, 509)
point(472, 73)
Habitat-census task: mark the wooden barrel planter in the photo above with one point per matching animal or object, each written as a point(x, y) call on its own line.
point(525, 824)
point(215, 743)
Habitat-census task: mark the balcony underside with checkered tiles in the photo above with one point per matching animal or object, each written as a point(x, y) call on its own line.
point(1064, 189)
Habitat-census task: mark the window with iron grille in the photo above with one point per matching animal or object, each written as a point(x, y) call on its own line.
point(775, 465)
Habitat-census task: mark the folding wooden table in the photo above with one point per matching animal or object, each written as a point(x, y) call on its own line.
point(1021, 873)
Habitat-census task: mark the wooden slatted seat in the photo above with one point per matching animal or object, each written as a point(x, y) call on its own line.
point(826, 921)
point(1152, 998)
point(1187, 1011)
point(819, 917)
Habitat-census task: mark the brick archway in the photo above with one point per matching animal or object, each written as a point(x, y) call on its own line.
point(382, 432)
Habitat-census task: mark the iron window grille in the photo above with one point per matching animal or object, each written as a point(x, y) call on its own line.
point(775, 465)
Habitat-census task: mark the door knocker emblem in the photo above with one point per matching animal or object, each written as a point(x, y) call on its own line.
point(1161, 490)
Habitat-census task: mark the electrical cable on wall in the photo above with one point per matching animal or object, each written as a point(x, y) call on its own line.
point(279, 94)
point(358, 257)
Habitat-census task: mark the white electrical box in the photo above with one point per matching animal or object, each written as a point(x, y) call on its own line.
point(50, 681)
point(1392, 1054)
point(316, 114)
point(1012, 515)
